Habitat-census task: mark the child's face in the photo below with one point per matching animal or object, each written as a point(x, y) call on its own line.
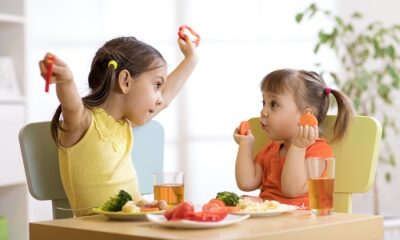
point(145, 96)
point(279, 116)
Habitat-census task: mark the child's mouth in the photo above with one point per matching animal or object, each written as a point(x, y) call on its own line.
point(264, 126)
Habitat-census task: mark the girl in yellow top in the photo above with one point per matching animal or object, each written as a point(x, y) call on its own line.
point(129, 85)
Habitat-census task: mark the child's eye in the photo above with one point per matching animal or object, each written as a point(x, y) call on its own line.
point(263, 103)
point(158, 85)
point(274, 104)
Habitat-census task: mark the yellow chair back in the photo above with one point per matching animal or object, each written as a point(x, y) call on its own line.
point(356, 156)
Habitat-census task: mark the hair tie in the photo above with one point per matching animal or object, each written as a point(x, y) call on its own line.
point(113, 63)
point(327, 90)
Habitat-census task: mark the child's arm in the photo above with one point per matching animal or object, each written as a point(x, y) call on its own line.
point(294, 175)
point(177, 78)
point(76, 119)
point(247, 172)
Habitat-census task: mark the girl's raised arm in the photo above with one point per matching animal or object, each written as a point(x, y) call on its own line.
point(177, 78)
point(76, 119)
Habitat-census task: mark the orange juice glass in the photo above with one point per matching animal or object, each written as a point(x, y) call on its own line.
point(169, 186)
point(321, 180)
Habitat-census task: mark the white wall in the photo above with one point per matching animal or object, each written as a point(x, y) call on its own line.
point(387, 12)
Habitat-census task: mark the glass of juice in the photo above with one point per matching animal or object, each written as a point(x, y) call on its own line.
point(169, 186)
point(321, 179)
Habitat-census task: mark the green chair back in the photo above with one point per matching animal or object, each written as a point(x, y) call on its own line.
point(40, 157)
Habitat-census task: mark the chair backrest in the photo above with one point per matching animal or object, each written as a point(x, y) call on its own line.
point(356, 156)
point(40, 157)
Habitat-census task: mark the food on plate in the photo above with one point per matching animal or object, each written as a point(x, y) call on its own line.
point(114, 204)
point(244, 127)
point(213, 211)
point(144, 206)
point(229, 198)
point(130, 207)
point(123, 202)
point(308, 119)
point(250, 206)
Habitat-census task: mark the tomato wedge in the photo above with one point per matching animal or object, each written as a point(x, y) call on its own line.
point(182, 209)
point(216, 206)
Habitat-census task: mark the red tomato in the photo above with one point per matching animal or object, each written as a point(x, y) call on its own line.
point(203, 217)
point(182, 209)
point(216, 206)
point(217, 201)
point(168, 213)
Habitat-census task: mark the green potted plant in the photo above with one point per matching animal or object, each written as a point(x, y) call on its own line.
point(369, 70)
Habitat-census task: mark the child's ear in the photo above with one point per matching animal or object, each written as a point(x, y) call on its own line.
point(308, 110)
point(123, 81)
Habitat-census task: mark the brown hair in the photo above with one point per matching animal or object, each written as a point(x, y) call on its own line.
point(310, 90)
point(131, 54)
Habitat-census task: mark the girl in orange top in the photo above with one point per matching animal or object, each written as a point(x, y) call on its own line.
point(279, 168)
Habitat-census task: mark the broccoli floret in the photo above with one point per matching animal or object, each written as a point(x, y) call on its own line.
point(114, 204)
point(229, 198)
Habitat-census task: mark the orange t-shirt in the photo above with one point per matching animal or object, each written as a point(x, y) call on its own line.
point(272, 167)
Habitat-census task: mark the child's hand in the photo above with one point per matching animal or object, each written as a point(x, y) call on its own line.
point(188, 48)
point(248, 138)
point(61, 72)
point(306, 136)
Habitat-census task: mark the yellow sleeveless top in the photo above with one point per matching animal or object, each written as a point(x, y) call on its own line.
point(100, 164)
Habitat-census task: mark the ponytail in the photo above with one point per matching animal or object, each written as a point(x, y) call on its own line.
point(345, 113)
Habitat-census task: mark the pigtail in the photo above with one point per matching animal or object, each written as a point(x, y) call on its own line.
point(345, 113)
point(55, 125)
point(101, 92)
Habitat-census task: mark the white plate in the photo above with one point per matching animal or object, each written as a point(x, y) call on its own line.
point(161, 220)
point(270, 212)
point(122, 215)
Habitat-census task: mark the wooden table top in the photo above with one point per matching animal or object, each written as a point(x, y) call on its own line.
point(297, 225)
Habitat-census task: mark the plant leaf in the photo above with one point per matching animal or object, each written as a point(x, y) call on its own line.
point(388, 177)
point(299, 17)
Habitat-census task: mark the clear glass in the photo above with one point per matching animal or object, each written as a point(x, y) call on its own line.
point(169, 186)
point(321, 180)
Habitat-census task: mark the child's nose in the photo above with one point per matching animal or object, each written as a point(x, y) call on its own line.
point(264, 112)
point(159, 101)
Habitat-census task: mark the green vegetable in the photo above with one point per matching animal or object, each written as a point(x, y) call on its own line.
point(229, 198)
point(114, 204)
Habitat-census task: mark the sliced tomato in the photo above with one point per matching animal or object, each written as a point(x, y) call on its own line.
point(182, 209)
point(203, 217)
point(216, 206)
point(212, 217)
point(168, 214)
point(217, 201)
